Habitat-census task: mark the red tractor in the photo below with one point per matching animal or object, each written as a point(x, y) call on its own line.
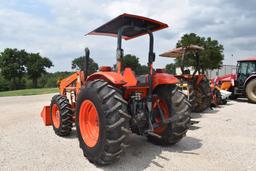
point(108, 105)
point(196, 84)
point(243, 83)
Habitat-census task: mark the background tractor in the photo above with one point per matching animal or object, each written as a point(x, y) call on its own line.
point(219, 96)
point(243, 83)
point(108, 105)
point(197, 84)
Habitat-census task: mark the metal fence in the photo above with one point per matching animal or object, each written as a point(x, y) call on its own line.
point(224, 70)
point(211, 74)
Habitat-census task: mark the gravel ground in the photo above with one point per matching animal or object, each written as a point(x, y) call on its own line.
point(224, 139)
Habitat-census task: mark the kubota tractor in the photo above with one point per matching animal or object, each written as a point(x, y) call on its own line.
point(243, 83)
point(108, 105)
point(197, 84)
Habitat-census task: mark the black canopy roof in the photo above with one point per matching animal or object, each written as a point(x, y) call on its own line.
point(111, 28)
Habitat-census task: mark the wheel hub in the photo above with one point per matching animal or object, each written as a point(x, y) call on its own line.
point(89, 123)
point(56, 116)
point(159, 104)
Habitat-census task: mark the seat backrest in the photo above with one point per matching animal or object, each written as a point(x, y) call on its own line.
point(129, 77)
point(105, 68)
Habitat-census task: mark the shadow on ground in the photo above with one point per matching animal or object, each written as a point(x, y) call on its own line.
point(243, 100)
point(141, 154)
point(73, 134)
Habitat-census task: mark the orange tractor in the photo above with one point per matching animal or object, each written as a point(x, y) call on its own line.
point(108, 105)
point(196, 84)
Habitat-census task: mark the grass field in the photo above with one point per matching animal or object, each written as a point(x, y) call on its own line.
point(27, 92)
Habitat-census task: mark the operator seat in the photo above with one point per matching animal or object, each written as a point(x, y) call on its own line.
point(132, 80)
point(129, 77)
point(105, 68)
point(142, 80)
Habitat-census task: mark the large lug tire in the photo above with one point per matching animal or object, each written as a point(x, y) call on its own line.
point(61, 115)
point(110, 133)
point(203, 96)
point(189, 93)
point(174, 106)
point(251, 91)
point(191, 96)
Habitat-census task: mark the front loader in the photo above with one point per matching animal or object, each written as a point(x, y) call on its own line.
point(197, 85)
point(108, 105)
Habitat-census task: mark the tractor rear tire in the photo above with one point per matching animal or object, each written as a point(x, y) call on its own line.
point(251, 91)
point(203, 96)
point(112, 122)
point(178, 109)
point(61, 115)
point(191, 96)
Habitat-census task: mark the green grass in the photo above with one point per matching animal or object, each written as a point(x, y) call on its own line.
point(27, 92)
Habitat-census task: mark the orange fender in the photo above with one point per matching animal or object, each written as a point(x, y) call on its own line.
point(163, 78)
point(184, 76)
point(112, 77)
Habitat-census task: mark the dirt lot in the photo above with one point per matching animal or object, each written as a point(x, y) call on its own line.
point(224, 139)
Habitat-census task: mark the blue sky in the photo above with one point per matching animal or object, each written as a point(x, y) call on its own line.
point(56, 28)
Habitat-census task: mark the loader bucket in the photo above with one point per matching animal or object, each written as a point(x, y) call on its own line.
point(45, 114)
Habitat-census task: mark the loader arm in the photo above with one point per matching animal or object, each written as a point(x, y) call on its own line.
point(72, 83)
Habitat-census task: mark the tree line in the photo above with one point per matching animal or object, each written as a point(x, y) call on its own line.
point(20, 69)
point(17, 66)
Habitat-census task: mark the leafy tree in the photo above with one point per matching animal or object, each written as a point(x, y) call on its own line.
point(4, 84)
point(171, 68)
point(78, 64)
point(12, 64)
point(210, 58)
point(131, 61)
point(143, 69)
point(36, 66)
point(51, 79)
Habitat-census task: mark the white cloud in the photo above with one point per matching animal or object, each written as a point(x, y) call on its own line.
point(59, 33)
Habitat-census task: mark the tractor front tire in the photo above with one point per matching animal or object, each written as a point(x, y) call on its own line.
point(203, 96)
point(175, 106)
point(61, 115)
point(102, 122)
point(251, 91)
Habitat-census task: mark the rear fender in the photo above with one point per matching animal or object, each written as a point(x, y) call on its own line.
point(163, 78)
point(184, 76)
point(251, 77)
point(111, 77)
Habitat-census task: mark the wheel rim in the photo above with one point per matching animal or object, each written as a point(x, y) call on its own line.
point(89, 123)
point(56, 116)
point(160, 103)
point(254, 91)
